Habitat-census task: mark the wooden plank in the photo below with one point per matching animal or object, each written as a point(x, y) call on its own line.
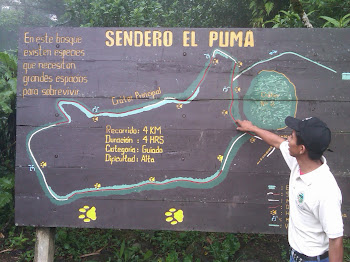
point(200, 115)
point(115, 129)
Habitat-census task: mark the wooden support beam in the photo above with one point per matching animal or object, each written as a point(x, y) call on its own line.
point(44, 244)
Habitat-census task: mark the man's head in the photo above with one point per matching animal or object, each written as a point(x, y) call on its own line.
point(312, 133)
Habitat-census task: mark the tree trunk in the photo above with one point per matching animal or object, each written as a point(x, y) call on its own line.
point(298, 8)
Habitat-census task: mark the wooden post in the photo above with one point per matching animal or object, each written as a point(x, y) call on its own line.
point(44, 244)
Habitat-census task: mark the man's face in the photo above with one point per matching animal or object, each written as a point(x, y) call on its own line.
point(294, 149)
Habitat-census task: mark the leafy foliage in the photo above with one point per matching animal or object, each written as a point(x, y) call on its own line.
point(29, 13)
point(154, 13)
point(225, 249)
point(133, 245)
point(285, 19)
point(265, 9)
point(331, 8)
point(8, 80)
point(15, 14)
point(335, 12)
point(342, 22)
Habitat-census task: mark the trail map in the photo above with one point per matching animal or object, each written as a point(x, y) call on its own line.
point(136, 127)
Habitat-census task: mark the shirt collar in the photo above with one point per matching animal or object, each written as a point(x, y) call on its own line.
point(308, 178)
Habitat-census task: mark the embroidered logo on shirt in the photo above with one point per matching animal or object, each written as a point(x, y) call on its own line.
point(301, 197)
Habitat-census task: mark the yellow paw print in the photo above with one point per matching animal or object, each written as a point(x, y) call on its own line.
point(173, 216)
point(88, 214)
point(179, 106)
point(220, 158)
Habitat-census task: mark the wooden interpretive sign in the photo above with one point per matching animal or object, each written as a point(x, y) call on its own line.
point(135, 127)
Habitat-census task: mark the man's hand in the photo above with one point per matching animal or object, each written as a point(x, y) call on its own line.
point(245, 126)
point(269, 137)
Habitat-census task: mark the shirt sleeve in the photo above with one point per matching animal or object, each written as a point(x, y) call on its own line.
point(290, 160)
point(330, 215)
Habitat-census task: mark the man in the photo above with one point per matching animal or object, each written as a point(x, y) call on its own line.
point(315, 231)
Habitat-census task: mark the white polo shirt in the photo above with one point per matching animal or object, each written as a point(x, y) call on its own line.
point(315, 207)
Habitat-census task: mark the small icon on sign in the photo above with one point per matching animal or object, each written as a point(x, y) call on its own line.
point(252, 140)
point(207, 56)
point(97, 185)
point(152, 179)
point(220, 158)
point(225, 89)
point(31, 168)
point(237, 89)
point(215, 61)
point(173, 216)
point(43, 164)
point(95, 109)
point(273, 212)
point(95, 119)
point(88, 214)
point(273, 52)
point(179, 106)
point(272, 187)
point(240, 64)
point(224, 112)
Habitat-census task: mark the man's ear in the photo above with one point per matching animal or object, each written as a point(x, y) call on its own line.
point(302, 149)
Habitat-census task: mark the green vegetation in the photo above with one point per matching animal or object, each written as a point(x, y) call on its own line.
point(132, 245)
point(8, 80)
point(135, 245)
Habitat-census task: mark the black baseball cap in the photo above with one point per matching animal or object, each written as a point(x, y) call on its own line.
point(314, 132)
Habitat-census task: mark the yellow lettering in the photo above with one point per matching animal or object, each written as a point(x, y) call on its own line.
point(138, 38)
point(28, 39)
point(127, 38)
point(118, 39)
point(147, 38)
point(193, 39)
point(213, 36)
point(157, 41)
point(185, 38)
point(27, 66)
point(249, 39)
point(223, 43)
point(168, 38)
point(108, 129)
point(236, 37)
point(110, 41)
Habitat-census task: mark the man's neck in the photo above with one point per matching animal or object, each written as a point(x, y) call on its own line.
point(308, 165)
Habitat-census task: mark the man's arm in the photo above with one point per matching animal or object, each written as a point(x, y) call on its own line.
point(269, 137)
point(336, 249)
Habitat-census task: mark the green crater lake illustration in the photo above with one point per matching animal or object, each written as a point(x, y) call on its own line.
point(270, 98)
